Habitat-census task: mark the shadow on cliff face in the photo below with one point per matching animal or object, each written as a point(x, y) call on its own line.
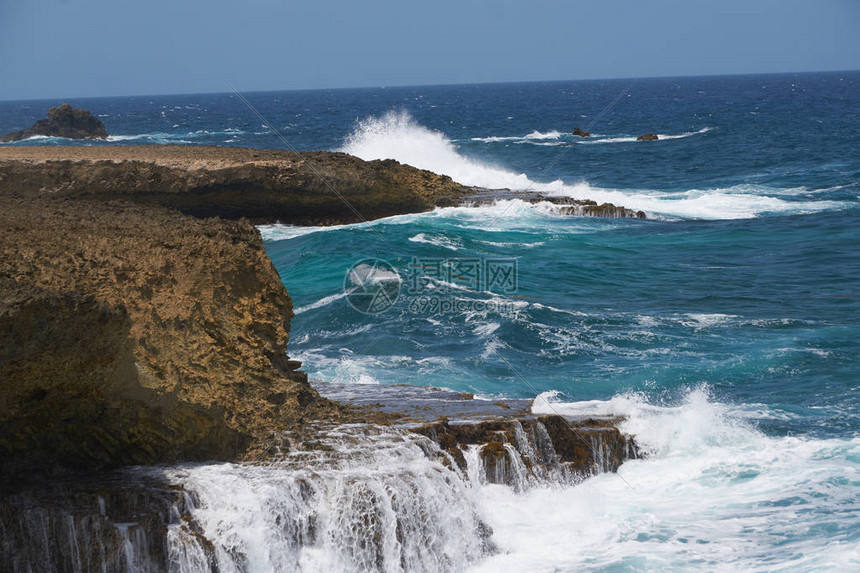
point(134, 334)
point(72, 397)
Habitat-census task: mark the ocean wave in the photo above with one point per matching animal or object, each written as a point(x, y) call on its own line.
point(47, 138)
point(713, 491)
point(513, 245)
point(398, 136)
point(533, 136)
point(176, 137)
point(280, 231)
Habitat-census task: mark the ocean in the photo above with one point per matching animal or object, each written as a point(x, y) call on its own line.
point(725, 327)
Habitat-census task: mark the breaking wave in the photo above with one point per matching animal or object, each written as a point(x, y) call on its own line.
point(396, 135)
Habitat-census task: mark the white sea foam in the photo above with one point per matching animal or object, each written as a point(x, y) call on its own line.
point(486, 329)
point(453, 244)
point(322, 302)
point(660, 137)
point(714, 494)
point(280, 232)
point(397, 136)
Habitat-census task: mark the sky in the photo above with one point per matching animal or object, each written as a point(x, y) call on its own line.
point(88, 48)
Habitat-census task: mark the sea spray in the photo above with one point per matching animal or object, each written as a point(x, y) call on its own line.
point(396, 135)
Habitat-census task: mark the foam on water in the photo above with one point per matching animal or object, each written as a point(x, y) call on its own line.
point(714, 494)
point(398, 136)
point(560, 138)
point(453, 244)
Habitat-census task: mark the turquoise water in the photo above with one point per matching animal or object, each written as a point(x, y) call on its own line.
point(725, 327)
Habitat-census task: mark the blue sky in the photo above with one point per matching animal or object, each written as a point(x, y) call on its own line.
point(77, 48)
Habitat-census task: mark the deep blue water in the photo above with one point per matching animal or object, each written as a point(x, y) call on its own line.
point(726, 326)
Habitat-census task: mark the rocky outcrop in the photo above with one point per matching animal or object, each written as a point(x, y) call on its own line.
point(580, 132)
point(63, 121)
point(264, 186)
point(647, 137)
point(497, 442)
point(564, 205)
point(383, 498)
point(519, 452)
point(141, 320)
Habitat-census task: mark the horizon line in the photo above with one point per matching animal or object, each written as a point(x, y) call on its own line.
point(401, 86)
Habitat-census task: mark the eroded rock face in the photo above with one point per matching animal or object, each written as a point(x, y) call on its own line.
point(265, 186)
point(135, 335)
point(647, 137)
point(63, 121)
point(72, 394)
point(522, 451)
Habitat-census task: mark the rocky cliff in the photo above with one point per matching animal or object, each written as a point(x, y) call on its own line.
point(134, 334)
point(136, 326)
point(141, 320)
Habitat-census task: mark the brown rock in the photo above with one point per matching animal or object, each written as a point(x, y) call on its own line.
point(580, 132)
point(647, 137)
point(265, 186)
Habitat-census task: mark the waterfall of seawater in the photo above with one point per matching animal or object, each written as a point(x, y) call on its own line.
point(358, 498)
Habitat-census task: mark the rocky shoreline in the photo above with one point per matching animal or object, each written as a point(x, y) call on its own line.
point(141, 320)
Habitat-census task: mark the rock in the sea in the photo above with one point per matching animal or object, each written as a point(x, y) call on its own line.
point(63, 121)
point(580, 132)
point(647, 137)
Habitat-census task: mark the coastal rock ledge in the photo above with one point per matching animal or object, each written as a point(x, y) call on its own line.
point(141, 320)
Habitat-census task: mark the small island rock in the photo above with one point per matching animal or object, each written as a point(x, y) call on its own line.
point(63, 121)
point(580, 132)
point(647, 137)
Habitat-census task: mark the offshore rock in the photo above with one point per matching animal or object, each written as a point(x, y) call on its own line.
point(563, 205)
point(580, 132)
point(647, 137)
point(63, 121)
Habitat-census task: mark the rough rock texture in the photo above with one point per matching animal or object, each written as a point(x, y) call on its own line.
point(141, 320)
point(63, 121)
point(264, 186)
point(647, 137)
point(549, 449)
point(580, 132)
point(134, 334)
